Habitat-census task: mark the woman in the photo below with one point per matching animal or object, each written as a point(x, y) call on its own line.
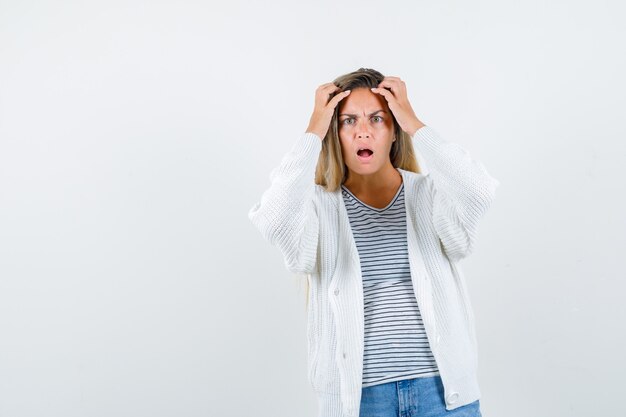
point(390, 325)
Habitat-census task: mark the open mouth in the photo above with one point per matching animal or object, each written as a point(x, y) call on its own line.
point(365, 154)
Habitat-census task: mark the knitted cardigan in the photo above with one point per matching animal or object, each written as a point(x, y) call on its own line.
point(310, 227)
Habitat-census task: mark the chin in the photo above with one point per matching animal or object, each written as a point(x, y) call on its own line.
point(365, 169)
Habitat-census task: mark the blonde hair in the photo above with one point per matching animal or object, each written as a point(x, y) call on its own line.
point(331, 170)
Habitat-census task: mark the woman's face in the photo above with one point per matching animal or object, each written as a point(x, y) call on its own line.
point(365, 121)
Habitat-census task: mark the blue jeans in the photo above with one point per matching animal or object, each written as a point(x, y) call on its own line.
point(417, 397)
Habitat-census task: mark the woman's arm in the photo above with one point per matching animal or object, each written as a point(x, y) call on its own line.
point(286, 215)
point(461, 189)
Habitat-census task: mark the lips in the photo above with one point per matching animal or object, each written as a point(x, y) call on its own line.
point(364, 154)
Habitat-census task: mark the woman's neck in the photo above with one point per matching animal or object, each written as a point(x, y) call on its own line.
point(384, 179)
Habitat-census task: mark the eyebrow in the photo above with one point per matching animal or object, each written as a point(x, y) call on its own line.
point(354, 115)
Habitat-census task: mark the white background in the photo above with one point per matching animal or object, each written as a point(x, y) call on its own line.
point(136, 135)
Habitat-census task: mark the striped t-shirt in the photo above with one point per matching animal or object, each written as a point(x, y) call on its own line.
point(396, 346)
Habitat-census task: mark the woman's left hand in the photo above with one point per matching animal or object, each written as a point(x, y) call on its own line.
point(398, 103)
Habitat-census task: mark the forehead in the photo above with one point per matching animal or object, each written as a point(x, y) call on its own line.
point(362, 100)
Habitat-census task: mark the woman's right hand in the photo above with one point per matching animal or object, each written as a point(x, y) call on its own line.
point(324, 108)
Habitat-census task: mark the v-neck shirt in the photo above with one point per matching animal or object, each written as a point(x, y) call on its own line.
point(396, 345)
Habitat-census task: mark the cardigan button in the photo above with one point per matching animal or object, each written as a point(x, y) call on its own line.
point(453, 397)
point(336, 291)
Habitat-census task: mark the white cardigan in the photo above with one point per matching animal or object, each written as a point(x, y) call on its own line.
point(310, 226)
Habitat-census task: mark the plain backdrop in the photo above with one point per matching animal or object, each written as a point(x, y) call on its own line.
point(136, 135)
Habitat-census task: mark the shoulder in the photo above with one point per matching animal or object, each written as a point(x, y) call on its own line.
point(326, 198)
point(413, 180)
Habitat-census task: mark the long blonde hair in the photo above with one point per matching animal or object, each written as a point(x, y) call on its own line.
point(331, 170)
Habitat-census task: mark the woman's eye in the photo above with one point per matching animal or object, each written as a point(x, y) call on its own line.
point(378, 117)
point(345, 121)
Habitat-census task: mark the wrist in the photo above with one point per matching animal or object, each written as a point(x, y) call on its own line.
point(415, 126)
point(316, 133)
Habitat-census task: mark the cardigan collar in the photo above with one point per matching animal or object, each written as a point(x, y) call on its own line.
point(407, 177)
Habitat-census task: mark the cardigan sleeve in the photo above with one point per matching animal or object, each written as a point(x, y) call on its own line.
point(286, 214)
point(461, 189)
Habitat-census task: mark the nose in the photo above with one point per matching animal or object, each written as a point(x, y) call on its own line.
point(362, 130)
